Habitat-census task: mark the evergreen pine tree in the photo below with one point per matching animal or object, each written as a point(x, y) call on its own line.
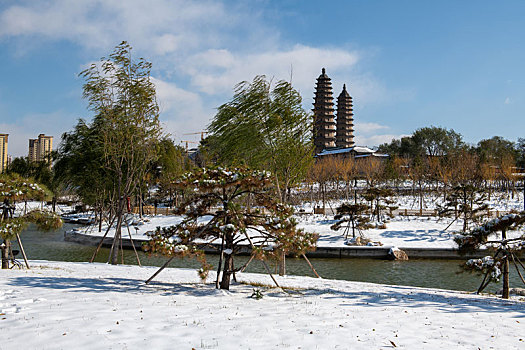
point(214, 214)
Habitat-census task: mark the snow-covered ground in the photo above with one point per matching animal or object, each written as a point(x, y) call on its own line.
point(59, 305)
point(499, 201)
point(404, 232)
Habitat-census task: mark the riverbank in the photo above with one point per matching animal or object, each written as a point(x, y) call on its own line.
point(81, 305)
point(427, 238)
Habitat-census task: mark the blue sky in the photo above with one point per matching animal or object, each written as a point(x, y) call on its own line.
point(407, 64)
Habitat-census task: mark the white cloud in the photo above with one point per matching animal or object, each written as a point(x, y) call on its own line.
point(181, 111)
point(369, 127)
point(507, 100)
point(103, 23)
point(200, 51)
point(216, 71)
point(375, 140)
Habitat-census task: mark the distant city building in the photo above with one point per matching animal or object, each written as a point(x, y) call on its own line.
point(40, 148)
point(33, 145)
point(3, 152)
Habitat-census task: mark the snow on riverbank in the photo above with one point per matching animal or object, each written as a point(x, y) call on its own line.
point(58, 305)
point(405, 232)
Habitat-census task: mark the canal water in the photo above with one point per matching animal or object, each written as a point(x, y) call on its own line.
point(433, 273)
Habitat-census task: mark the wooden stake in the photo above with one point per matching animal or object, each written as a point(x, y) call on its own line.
point(159, 270)
point(311, 266)
point(248, 263)
point(270, 273)
point(102, 240)
point(22, 250)
point(133, 245)
point(264, 262)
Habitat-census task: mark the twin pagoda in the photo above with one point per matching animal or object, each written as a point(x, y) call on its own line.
point(328, 133)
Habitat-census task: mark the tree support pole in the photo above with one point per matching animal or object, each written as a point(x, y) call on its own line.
point(133, 245)
point(311, 266)
point(102, 240)
point(517, 268)
point(22, 250)
point(248, 263)
point(159, 270)
point(264, 262)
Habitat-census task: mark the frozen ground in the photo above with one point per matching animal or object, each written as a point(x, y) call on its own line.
point(96, 306)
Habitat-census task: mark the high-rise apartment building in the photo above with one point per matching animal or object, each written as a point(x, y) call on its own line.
point(33, 144)
point(3, 152)
point(40, 148)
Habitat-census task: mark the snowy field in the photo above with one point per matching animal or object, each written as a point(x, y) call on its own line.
point(97, 306)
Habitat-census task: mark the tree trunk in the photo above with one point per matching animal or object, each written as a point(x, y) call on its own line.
point(505, 293)
point(282, 264)
point(100, 221)
point(117, 236)
point(5, 254)
point(228, 267)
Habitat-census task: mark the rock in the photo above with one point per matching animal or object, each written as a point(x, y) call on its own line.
point(362, 241)
point(514, 291)
point(397, 254)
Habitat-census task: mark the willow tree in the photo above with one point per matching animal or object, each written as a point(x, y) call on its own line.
point(12, 189)
point(121, 93)
point(264, 128)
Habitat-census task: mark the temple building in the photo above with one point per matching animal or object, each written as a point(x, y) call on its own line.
point(324, 124)
point(345, 120)
point(331, 137)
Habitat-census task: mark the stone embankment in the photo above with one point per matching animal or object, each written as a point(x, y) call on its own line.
point(381, 252)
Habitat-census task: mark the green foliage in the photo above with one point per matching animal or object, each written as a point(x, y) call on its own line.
point(257, 294)
point(472, 240)
point(170, 165)
point(11, 227)
point(505, 250)
point(496, 148)
point(466, 201)
point(264, 128)
point(215, 213)
point(428, 141)
point(80, 162)
point(120, 91)
point(40, 171)
point(16, 188)
point(381, 198)
point(520, 149)
point(43, 219)
point(355, 218)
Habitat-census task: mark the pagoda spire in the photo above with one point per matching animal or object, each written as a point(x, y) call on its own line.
point(324, 124)
point(345, 120)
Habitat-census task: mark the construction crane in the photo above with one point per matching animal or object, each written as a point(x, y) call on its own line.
point(187, 143)
point(197, 133)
